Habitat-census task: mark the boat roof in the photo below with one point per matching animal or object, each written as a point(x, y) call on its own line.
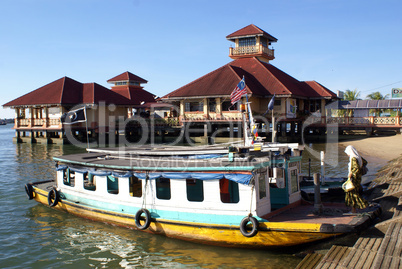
point(161, 150)
point(163, 163)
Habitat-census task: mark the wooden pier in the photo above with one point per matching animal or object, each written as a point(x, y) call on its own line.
point(379, 247)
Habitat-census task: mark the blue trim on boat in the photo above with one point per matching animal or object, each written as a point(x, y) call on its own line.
point(116, 208)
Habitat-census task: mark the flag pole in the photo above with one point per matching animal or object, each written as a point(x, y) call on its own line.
point(273, 127)
point(245, 129)
point(271, 106)
point(86, 124)
point(250, 119)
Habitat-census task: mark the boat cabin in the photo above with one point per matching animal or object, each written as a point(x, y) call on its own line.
point(213, 185)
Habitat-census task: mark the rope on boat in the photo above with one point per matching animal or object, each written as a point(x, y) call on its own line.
point(144, 204)
point(251, 202)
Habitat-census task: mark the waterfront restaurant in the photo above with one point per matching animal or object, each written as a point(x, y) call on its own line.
point(205, 104)
point(38, 113)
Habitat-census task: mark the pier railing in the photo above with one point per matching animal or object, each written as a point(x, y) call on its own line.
point(234, 116)
point(358, 121)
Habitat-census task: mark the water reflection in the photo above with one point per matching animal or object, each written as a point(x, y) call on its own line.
point(336, 161)
point(34, 162)
point(93, 244)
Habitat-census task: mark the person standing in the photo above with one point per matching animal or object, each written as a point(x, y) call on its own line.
point(353, 198)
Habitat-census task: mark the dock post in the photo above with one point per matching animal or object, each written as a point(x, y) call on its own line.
point(322, 155)
point(317, 194)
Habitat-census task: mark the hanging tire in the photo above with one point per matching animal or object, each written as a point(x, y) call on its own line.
point(29, 191)
point(138, 218)
point(53, 197)
point(254, 226)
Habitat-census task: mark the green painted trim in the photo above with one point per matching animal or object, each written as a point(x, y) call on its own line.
point(295, 159)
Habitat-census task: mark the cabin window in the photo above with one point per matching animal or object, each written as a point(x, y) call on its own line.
point(270, 178)
point(89, 182)
point(135, 187)
point(68, 177)
point(195, 190)
point(293, 180)
point(262, 186)
point(112, 184)
point(276, 178)
point(270, 172)
point(229, 191)
point(163, 188)
point(279, 172)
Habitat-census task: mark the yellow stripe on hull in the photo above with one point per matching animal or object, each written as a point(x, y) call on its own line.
point(270, 234)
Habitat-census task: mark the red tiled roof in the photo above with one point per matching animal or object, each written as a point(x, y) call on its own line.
point(251, 30)
point(62, 91)
point(127, 76)
point(262, 80)
point(319, 89)
point(94, 93)
point(66, 91)
point(135, 93)
point(217, 82)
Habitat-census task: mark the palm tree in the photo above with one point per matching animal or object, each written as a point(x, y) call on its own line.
point(377, 96)
point(351, 95)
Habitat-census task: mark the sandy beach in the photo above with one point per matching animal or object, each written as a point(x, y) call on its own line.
point(379, 148)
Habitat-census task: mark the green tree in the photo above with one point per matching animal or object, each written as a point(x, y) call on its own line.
point(377, 96)
point(351, 95)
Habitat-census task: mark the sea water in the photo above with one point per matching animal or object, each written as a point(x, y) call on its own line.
point(36, 236)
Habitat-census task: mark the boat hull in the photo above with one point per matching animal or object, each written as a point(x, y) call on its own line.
point(270, 234)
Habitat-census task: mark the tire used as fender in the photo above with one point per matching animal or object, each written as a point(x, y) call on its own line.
point(53, 197)
point(29, 191)
point(254, 226)
point(138, 217)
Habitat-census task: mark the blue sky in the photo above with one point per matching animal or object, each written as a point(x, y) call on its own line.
point(342, 44)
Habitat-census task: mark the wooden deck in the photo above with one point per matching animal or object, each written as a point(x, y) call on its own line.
point(310, 261)
point(371, 251)
point(389, 253)
point(333, 213)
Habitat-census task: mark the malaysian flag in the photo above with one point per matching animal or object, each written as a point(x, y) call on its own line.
point(238, 92)
point(74, 116)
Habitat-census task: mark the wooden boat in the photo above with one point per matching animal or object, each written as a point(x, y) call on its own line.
point(226, 196)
